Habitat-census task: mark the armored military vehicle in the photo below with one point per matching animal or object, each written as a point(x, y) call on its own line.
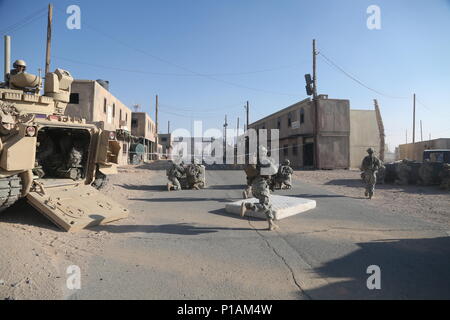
point(52, 160)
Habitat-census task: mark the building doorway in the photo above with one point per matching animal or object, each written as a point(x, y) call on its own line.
point(308, 155)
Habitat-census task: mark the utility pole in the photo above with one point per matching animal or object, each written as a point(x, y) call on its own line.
point(316, 108)
point(247, 112)
point(421, 133)
point(49, 38)
point(225, 125)
point(406, 136)
point(7, 56)
point(156, 128)
point(414, 119)
point(168, 127)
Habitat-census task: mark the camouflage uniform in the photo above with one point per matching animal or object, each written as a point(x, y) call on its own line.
point(444, 175)
point(370, 166)
point(403, 171)
point(173, 174)
point(426, 173)
point(284, 175)
point(193, 175)
point(261, 191)
point(251, 173)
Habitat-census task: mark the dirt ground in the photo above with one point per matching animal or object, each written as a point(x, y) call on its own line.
point(35, 253)
point(428, 203)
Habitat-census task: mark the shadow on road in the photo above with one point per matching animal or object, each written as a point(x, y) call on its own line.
point(142, 187)
point(179, 228)
point(222, 212)
point(179, 199)
point(24, 214)
point(227, 187)
point(410, 269)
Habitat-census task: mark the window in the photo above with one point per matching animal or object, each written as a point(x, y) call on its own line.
point(133, 123)
point(126, 116)
point(120, 114)
point(302, 115)
point(104, 105)
point(286, 150)
point(125, 148)
point(114, 109)
point(289, 120)
point(263, 126)
point(294, 150)
point(278, 123)
point(164, 139)
point(74, 98)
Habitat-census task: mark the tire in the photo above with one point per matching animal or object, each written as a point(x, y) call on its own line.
point(100, 181)
point(10, 189)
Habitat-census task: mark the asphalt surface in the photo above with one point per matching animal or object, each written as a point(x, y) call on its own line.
point(183, 245)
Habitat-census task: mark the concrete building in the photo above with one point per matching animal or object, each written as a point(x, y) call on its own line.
point(343, 135)
point(414, 151)
point(143, 126)
point(166, 142)
point(364, 134)
point(297, 135)
point(93, 102)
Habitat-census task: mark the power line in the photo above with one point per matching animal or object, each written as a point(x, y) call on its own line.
point(180, 66)
point(330, 62)
point(167, 73)
point(25, 21)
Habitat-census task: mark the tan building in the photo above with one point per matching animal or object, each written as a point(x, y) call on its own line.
point(297, 138)
point(143, 126)
point(166, 141)
point(364, 134)
point(343, 137)
point(414, 151)
point(93, 102)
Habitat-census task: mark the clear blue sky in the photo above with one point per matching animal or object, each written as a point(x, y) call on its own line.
point(173, 41)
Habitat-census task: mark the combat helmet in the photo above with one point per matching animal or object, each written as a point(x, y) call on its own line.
point(286, 162)
point(370, 150)
point(19, 63)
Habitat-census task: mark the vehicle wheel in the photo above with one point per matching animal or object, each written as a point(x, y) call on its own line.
point(100, 181)
point(10, 189)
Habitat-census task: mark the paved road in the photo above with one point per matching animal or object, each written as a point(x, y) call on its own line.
point(183, 245)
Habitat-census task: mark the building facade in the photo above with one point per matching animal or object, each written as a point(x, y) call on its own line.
point(298, 141)
point(143, 126)
point(414, 151)
point(91, 101)
point(166, 142)
point(364, 134)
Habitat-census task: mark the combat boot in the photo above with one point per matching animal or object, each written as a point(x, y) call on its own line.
point(169, 186)
point(272, 225)
point(370, 195)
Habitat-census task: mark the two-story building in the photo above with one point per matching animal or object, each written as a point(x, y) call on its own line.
point(144, 127)
point(92, 101)
point(297, 136)
point(340, 141)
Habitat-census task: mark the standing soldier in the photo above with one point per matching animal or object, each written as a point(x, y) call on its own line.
point(251, 173)
point(284, 175)
point(174, 173)
point(370, 166)
point(261, 191)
